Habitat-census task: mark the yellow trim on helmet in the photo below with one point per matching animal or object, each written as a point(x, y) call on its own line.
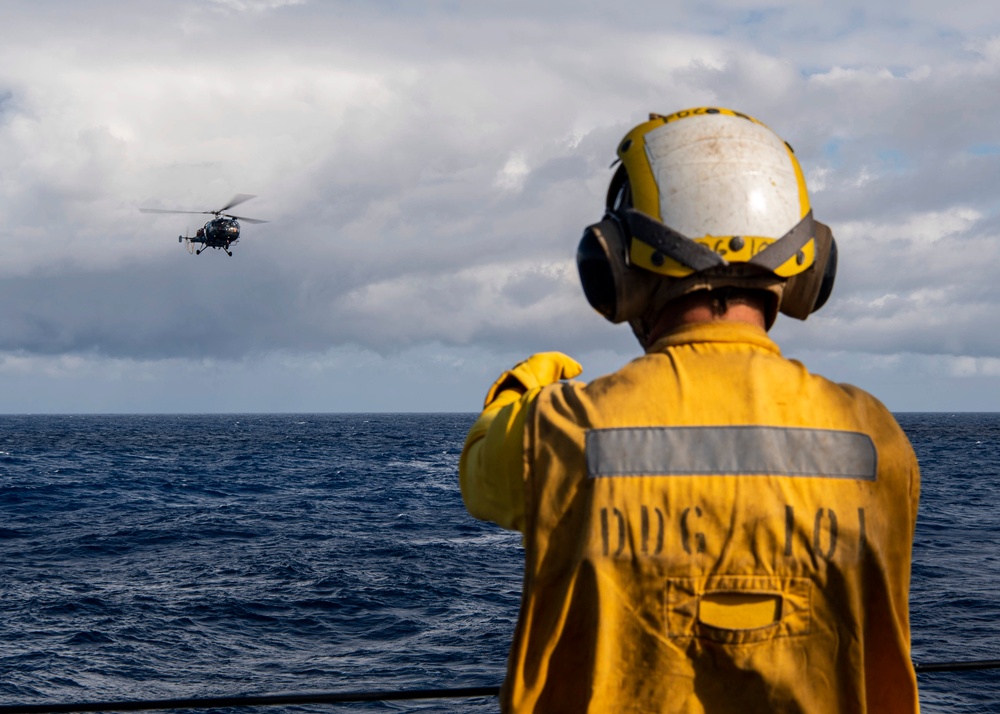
point(700, 111)
point(646, 198)
point(800, 178)
point(632, 152)
point(641, 254)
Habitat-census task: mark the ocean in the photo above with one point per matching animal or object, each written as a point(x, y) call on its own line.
point(172, 556)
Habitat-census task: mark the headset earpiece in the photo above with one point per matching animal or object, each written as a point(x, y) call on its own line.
point(612, 287)
point(808, 291)
point(829, 275)
point(593, 261)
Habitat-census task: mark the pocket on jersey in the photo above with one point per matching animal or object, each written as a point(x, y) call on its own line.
point(737, 609)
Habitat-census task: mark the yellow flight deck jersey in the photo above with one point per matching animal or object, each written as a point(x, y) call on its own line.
point(710, 529)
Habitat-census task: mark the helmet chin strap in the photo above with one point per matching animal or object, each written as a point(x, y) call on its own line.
point(668, 242)
point(788, 246)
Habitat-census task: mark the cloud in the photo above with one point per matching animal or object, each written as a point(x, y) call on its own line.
point(427, 170)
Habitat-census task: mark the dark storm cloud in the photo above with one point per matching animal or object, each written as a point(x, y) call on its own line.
point(147, 311)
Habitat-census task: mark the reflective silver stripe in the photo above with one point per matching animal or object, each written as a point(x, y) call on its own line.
point(730, 451)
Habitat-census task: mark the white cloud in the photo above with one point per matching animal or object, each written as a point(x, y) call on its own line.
point(428, 169)
point(511, 177)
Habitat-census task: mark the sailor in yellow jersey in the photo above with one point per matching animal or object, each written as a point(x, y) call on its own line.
point(712, 528)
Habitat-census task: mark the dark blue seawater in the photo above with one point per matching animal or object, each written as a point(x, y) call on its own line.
point(195, 556)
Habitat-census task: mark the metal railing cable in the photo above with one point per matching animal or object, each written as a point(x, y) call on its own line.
point(266, 700)
point(270, 700)
point(957, 666)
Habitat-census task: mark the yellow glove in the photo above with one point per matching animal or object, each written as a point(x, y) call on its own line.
point(491, 468)
point(537, 371)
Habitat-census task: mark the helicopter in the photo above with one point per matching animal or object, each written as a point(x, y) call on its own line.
point(220, 233)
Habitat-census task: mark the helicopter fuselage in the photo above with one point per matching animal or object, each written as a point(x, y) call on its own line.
point(220, 233)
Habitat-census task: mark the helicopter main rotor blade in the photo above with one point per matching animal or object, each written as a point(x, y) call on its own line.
point(246, 220)
point(163, 210)
point(235, 201)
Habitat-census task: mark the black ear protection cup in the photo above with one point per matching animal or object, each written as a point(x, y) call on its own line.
point(600, 255)
point(807, 292)
point(593, 261)
point(615, 289)
point(829, 275)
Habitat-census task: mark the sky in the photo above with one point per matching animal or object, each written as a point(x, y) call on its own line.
point(427, 169)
